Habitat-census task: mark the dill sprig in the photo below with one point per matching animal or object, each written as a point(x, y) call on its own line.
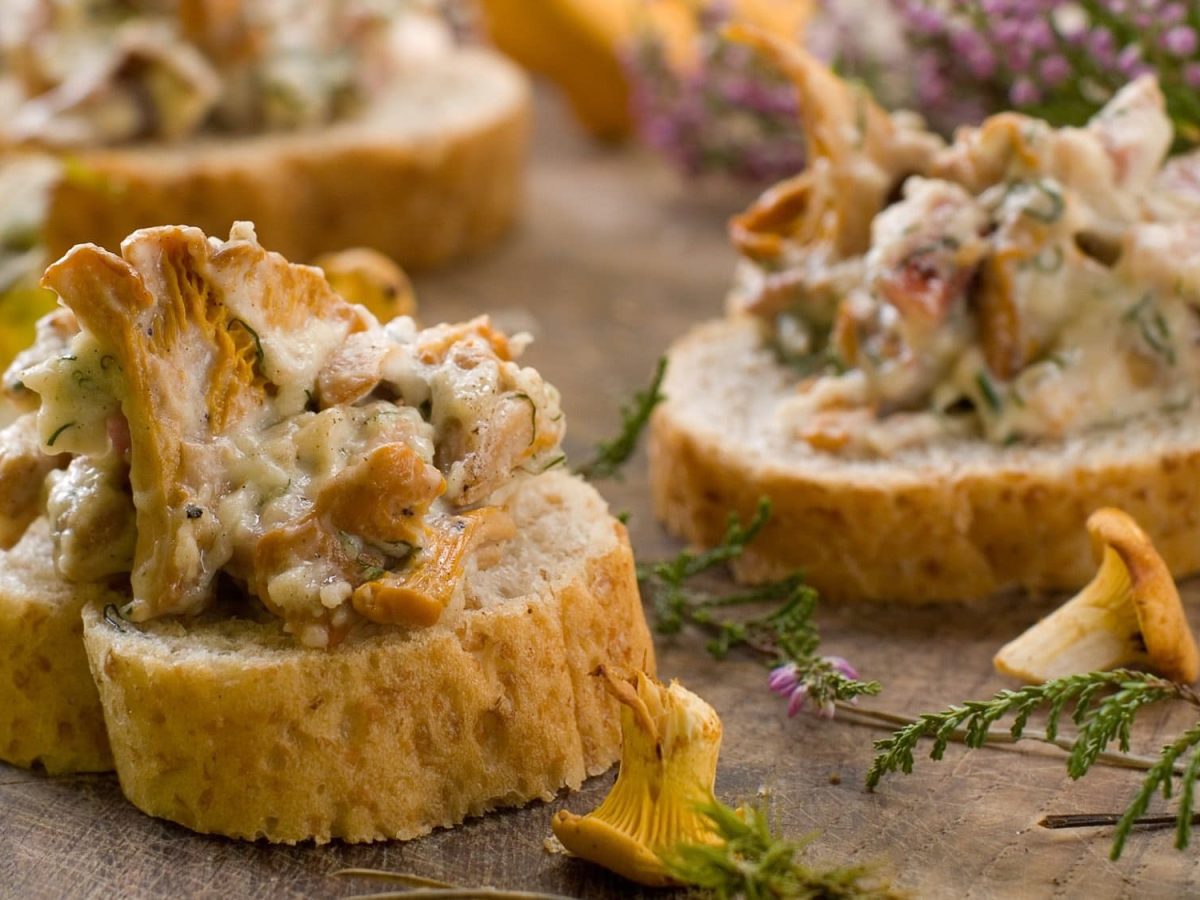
point(751, 862)
point(1104, 706)
point(609, 456)
point(784, 635)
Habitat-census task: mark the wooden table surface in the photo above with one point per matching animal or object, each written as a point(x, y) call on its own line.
point(615, 257)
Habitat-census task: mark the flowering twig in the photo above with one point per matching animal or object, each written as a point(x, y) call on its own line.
point(1060, 60)
point(722, 110)
point(785, 635)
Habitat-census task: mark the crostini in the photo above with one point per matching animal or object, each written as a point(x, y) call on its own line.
point(334, 580)
point(939, 359)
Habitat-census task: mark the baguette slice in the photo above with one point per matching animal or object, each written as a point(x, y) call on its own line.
point(51, 714)
point(231, 727)
point(947, 522)
point(431, 171)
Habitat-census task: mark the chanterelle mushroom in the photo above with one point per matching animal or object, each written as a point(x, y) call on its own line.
point(1129, 614)
point(670, 739)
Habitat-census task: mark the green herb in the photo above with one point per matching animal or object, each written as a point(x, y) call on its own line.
point(624, 516)
point(557, 461)
point(752, 862)
point(610, 456)
point(1152, 327)
point(1104, 706)
point(54, 437)
point(785, 634)
point(521, 395)
point(258, 347)
point(990, 396)
point(1049, 260)
point(1050, 208)
point(371, 573)
point(113, 617)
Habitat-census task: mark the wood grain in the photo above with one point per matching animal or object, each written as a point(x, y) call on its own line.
point(614, 259)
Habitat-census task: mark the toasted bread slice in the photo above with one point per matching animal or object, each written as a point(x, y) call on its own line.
point(956, 519)
point(228, 726)
point(50, 715)
point(431, 171)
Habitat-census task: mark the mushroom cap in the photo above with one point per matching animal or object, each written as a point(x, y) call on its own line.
point(366, 276)
point(1128, 614)
point(1162, 621)
point(670, 740)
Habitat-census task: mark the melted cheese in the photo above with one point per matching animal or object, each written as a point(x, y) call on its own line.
point(1016, 286)
point(237, 416)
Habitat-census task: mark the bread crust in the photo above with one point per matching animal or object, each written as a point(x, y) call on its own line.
point(431, 171)
point(232, 728)
point(50, 713)
point(959, 521)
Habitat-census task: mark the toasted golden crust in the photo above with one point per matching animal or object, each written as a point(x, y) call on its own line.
point(230, 727)
point(49, 711)
point(430, 172)
point(954, 521)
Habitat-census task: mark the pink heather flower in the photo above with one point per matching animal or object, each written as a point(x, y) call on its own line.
point(783, 679)
point(1024, 92)
point(842, 667)
point(796, 701)
point(1054, 70)
point(1102, 46)
point(1191, 74)
point(1172, 14)
point(1129, 60)
point(1179, 41)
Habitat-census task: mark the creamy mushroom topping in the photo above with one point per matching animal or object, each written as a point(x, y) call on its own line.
point(1021, 283)
point(93, 72)
point(218, 410)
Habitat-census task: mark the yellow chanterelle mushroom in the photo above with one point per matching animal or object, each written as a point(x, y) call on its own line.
point(372, 279)
point(670, 739)
point(1129, 614)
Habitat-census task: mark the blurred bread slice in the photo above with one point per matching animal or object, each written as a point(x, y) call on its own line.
point(431, 171)
point(50, 714)
point(950, 521)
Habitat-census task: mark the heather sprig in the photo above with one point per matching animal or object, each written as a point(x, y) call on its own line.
point(1103, 707)
point(1058, 59)
point(721, 110)
point(609, 457)
point(785, 634)
point(750, 861)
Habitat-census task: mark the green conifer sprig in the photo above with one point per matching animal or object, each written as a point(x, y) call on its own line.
point(1104, 707)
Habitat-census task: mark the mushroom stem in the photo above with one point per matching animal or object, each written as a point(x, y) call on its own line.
point(1128, 615)
point(670, 739)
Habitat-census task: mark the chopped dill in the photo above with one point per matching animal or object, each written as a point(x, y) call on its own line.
point(58, 432)
point(258, 347)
